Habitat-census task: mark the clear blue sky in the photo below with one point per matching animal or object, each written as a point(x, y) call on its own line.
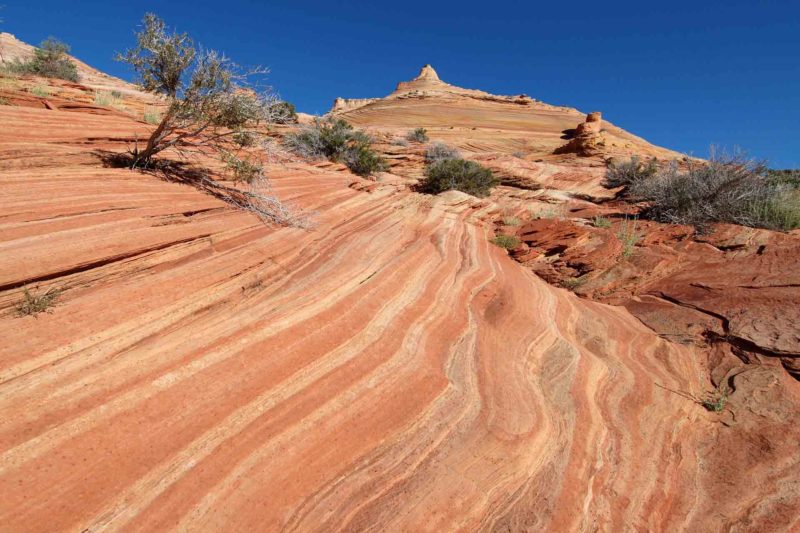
point(681, 74)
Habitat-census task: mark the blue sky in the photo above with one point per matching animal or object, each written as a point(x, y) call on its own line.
point(683, 75)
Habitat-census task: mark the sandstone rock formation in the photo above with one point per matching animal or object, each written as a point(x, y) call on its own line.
point(390, 369)
point(478, 122)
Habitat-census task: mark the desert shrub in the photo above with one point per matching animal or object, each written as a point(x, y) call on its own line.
point(509, 242)
point(364, 161)
point(116, 94)
point(107, 99)
point(419, 135)
point(50, 60)
point(511, 221)
point(628, 236)
point(440, 151)
point(336, 140)
point(724, 189)
point(284, 113)
point(789, 177)
point(459, 174)
point(209, 100)
point(4, 101)
point(626, 173)
point(601, 222)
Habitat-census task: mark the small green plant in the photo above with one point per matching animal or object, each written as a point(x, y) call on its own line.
point(717, 399)
point(151, 116)
point(41, 91)
point(419, 135)
point(33, 304)
point(458, 174)
point(628, 236)
point(511, 221)
point(509, 242)
point(601, 222)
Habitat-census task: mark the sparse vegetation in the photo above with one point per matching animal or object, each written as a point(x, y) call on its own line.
point(574, 283)
point(4, 101)
point(440, 152)
point(209, 100)
point(151, 116)
point(458, 174)
point(628, 236)
point(41, 91)
point(50, 60)
point(284, 113)
point(509, 242)
point(546, 211)
point(519, 155)
point(511, 221)
point(717, 399)
point(107, 99)
point(419, 135)
point(601, 222)
point(33, 304)
point(336, 140)
point(724, 189)
point(400, 141)
point(626, 173)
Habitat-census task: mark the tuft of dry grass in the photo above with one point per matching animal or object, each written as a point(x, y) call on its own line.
point(33, 304)
point(509, 242)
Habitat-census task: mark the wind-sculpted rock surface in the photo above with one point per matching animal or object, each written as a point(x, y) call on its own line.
point(388, 369)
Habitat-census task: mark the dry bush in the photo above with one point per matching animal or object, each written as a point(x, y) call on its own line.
point(419, 135)
point(439, 152)
point(626, 173)
point(727, 188)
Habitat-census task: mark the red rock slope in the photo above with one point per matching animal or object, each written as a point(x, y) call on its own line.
point(388, 370)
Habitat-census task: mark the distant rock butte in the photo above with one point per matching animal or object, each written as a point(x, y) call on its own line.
point(478, 122)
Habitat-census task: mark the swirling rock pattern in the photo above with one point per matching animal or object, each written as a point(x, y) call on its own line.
point(389, 370)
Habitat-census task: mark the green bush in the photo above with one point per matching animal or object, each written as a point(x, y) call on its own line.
point(336, 140)
point(364, 161)
point(419, 135)
point(50, 60)
point(459, 174)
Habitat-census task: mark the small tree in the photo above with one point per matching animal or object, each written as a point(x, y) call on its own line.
point(210, 99)
point(212, 106)
point(50, 60)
